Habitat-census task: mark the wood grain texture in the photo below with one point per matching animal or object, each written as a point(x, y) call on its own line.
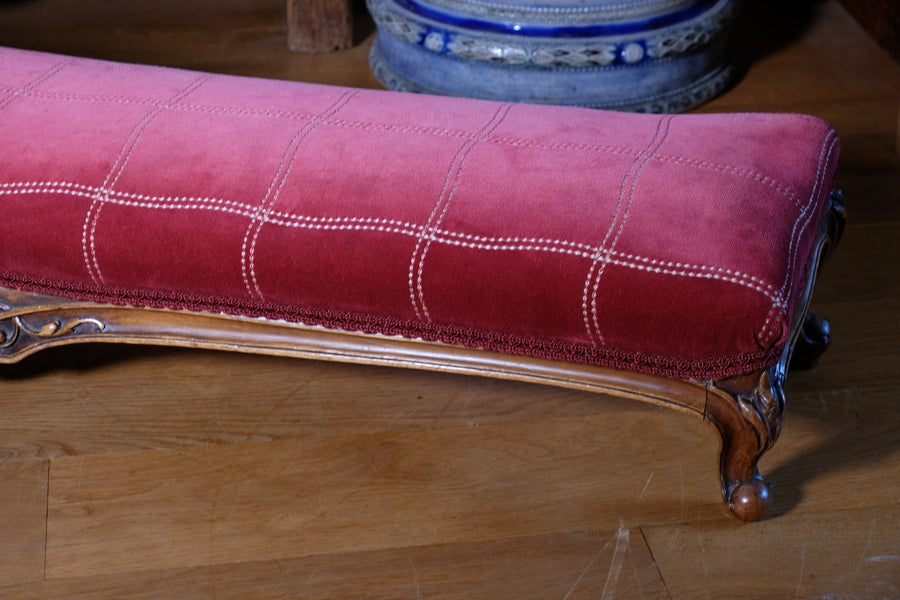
point(608, 564)
point(194, 474)
point(881, 18)
point(319, 25)
point(354, 493)
point(805, 563)
point(23, 513)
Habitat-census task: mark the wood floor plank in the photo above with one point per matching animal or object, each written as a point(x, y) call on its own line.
point(872, 193)
point(855, 272)
point(838, 451)
point(93, 399)
point(23, 518)
point(842, 554)
point(815, 59)
point(608, 564)
point(861, 298)
point(164, 509)
point(181, 474)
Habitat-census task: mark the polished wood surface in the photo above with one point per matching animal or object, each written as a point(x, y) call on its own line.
point(319, 25)
point(136, 472)
point(881, 18)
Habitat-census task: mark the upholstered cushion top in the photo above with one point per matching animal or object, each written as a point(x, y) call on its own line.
point(669, 245)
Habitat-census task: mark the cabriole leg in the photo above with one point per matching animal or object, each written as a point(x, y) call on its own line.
point(747, 411)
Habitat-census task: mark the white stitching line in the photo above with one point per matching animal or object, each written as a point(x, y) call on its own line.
point(88, 242)
point(594, 316)
point(368, 126)
point(498, 118)
point(28, 88)
point(248, 262)
point(373, 224)
point(120, 197)
point(602, 251)
point(580, 146)
point(253, 112)
point(749, 174)
point(600, 148)
point(806, 216)
point(248, 259)
point(783, 190)
point(242, 111)
point(424, 239)
point(659, 136)
point(88, 245)
point(48, 95)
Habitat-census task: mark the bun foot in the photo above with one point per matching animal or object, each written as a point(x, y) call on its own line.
point(813, 340)
point(750, 500)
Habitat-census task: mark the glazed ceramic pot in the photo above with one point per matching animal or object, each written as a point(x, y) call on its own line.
point(635, 55)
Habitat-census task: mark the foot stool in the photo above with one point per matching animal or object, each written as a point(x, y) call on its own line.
point(666, 259)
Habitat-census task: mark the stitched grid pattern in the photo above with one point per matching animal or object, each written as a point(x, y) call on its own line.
point(596, 254)
point(740, 171)
point(248, 251)
point(803, 223)
point(88, 241)
point(426, 235)
point(584, 244)
point(623, 206)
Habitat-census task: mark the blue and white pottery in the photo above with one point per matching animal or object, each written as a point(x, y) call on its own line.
point(634, 55)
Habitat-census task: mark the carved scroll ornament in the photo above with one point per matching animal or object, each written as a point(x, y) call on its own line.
point(26, 325)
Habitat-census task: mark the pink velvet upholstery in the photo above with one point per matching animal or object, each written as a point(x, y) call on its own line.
point(668, 245)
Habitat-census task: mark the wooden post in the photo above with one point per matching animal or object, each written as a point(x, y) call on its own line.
point(319, 25)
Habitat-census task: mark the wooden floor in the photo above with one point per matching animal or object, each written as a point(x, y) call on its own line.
point(130, 472)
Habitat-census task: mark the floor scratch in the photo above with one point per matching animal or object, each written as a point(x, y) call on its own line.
point(802, 566)
point(586, 569)
point(415, 577)
point(623, 542)
point(646, 485)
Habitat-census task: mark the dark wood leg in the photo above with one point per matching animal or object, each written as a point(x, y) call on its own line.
point(812, 342)
point(319, 25)
point(814, 335)
point(747, 411)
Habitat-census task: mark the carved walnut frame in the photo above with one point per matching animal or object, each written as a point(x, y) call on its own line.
point(746, 409)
